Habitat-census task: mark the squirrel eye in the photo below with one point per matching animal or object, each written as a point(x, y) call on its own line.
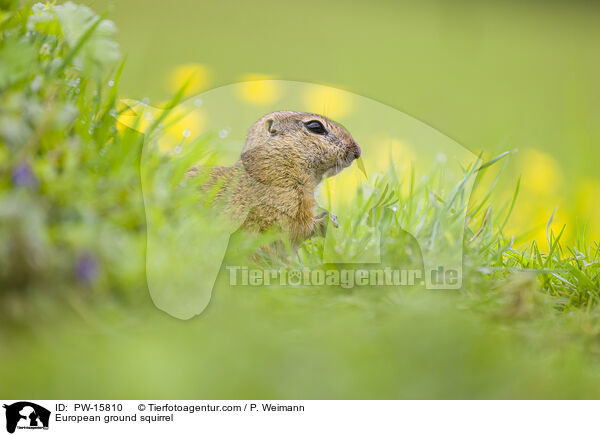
point(316, 127)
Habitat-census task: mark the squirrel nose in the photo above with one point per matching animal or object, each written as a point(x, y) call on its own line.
point(357, 151)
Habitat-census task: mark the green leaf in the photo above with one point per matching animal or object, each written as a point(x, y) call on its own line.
point(43, 19)
point(16, 59)
point(101, 50)
point(72, 22)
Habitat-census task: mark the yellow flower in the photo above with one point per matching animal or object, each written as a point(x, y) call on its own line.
point(135, 115)
point(330, 102)
point(197, 77)
point(258, 89)
point(182, 126)
point(338, 192)
point(390, 150)
point(588, 205)
point(539, 195)
point(540, 171)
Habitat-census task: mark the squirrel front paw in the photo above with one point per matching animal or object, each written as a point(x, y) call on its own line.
point(322, 220)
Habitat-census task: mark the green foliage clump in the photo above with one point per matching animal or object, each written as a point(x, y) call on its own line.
point(71, 211)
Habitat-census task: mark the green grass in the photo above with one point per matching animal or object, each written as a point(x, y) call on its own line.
point(76, 319)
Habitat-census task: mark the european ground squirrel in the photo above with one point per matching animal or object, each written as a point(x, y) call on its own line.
point(285, 157)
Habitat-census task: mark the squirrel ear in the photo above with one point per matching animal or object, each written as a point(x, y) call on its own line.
point(270, 124)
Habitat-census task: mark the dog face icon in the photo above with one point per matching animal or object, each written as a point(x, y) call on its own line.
point(26, 414)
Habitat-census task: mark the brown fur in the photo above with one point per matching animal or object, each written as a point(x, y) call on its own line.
point(273, 183)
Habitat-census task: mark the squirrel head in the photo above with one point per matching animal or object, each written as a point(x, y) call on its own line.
point(287, 148)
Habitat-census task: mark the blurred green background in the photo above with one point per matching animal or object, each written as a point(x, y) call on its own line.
point(493, 75)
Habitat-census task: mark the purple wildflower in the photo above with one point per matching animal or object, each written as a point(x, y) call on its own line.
point(86, 268)
point(22, 176)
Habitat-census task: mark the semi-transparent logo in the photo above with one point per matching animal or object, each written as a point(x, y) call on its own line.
point(405, 198)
